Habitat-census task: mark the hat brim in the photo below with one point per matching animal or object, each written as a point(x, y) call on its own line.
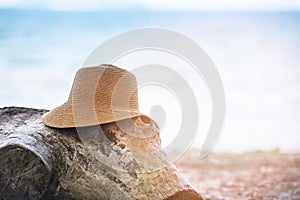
point(65, 117)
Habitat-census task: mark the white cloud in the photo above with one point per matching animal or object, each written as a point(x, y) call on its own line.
point(155, 4)
point(222, 4)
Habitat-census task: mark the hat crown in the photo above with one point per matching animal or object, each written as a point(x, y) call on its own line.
point(104, 88)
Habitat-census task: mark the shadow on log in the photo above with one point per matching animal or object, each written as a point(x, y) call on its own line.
point(97, 162)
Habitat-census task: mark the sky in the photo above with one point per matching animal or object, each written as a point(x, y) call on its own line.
point(172, 5)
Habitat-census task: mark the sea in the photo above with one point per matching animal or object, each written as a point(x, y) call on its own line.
point(257, 55)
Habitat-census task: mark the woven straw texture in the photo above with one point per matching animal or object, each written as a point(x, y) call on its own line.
point(99, 95)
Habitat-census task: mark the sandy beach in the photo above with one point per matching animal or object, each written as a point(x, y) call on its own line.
point(254, 175)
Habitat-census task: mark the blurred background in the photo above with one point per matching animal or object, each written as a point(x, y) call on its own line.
point(255, 46)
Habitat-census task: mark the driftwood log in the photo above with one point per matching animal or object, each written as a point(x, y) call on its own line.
point(39, 162)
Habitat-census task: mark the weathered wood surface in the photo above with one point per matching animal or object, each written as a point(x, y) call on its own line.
point(38, 162)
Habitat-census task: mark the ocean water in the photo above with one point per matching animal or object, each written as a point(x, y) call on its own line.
point(257, 55)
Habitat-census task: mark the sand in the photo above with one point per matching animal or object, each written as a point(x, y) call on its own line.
point(255, 175)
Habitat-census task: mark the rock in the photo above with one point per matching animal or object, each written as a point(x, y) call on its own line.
point(96, 162)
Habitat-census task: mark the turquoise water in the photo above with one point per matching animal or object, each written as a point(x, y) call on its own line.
point(257, 55)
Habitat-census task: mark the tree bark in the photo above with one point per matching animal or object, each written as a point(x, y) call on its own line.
point(96, 162)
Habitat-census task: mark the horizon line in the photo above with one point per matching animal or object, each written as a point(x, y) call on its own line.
point(149, 10)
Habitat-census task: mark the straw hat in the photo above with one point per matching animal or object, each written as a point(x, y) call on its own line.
point(99, 95)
